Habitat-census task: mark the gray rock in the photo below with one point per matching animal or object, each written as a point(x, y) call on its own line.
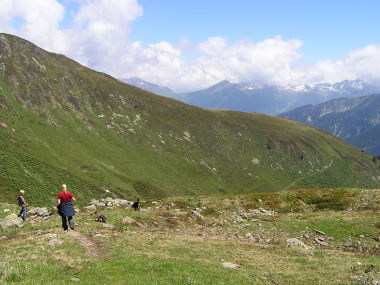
point(109, 226)
point(100, 235)
point(361, 236)
point(2, 67)
point(39, 212)
point(230, 265)
point(377, 239)
point(197, 214)
point(129, 221)
point(92, 207)
point(348, 243)
point(55, 242)
point(321, 242)
point(11, 220)
point(294, 242)
point(74, 279)
point(319, 232)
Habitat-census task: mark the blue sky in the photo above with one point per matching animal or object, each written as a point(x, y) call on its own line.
point(328, 29)
point(192, 44)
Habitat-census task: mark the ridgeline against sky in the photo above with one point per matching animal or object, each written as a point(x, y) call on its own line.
point(194, 44)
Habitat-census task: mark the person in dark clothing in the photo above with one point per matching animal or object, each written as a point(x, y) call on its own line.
point(136, 205)
point(65, 207)
point(22, 204)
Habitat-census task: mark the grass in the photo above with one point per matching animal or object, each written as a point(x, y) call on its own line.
point(192, 250)
point(86, 129)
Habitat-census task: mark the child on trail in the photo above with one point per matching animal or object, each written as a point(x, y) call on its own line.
point(22, 204)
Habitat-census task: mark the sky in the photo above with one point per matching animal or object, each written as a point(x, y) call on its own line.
point(192, 44)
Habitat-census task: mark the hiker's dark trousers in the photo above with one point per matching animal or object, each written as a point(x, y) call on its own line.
point(64, 222)
point(22, 213)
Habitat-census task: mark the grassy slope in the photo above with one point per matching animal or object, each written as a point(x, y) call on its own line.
point(177, 248)
point(76, 126)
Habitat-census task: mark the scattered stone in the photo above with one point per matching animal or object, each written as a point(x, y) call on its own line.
point(75, 279)
point(319, 232)
point(348, 243)
point(4, 125)
point(109, 202)
point(321, 242)
point(230, 265)
point(361, 236)
point(40, 212)
point(6, 210)
point(249, 236)
point(263, 212)
point(294, 242)
point(55, 242)
point(259, 200)
point(377, 239)
point(109, 226)
point(197, 214)
point(50, 235)
point(92, 207)
point(100, 235)
point(11, 220)
point(3, 238)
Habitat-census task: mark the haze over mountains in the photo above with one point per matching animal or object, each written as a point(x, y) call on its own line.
point(61, 122)
point(261, 98)
point(354, 120)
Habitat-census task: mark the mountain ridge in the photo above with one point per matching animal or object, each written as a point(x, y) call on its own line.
point(62, 122)
point(355, 120)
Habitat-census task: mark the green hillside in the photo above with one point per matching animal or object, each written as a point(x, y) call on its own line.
point(61, 122)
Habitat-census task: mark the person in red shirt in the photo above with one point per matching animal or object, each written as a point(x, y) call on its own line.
point(65, 207)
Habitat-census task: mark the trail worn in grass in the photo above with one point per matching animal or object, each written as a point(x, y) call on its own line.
point(187, 240)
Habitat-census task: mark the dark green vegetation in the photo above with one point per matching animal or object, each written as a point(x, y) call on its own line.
point(167, 244)
point(354, 120)
point(64, 123)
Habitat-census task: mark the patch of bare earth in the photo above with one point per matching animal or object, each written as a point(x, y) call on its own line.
point(91, 246)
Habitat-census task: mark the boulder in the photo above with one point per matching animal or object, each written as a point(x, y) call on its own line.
point(11, 220)
point(295, 242)
point(128, 221)
point(197, 214)
point(348, 244)
point(39, 212)
point(109, 226)
point(92, 207)
point(230, 265)
point(131, 222)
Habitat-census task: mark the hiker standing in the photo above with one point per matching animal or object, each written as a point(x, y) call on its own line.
point(22, 204)
point(65, 207)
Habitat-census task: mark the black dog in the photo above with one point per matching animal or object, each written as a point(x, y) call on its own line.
point(101, 218)
point(136, 205)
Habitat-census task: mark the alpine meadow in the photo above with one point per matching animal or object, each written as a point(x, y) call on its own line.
point(227, 197)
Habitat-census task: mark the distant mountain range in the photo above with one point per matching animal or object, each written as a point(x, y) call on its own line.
point(261, 98)
point(355, 120)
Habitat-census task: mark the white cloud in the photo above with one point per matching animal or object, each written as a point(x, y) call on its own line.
point(98, 37)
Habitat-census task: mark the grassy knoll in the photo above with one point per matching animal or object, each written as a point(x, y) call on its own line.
point(167, 243)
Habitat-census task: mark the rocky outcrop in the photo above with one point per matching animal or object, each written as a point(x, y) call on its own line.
point(10, 221)
point(295, 242)
point(109, 202)
point(39, 212)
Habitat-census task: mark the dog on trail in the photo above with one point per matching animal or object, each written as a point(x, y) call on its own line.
point(101, 218)
point(136, 205)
